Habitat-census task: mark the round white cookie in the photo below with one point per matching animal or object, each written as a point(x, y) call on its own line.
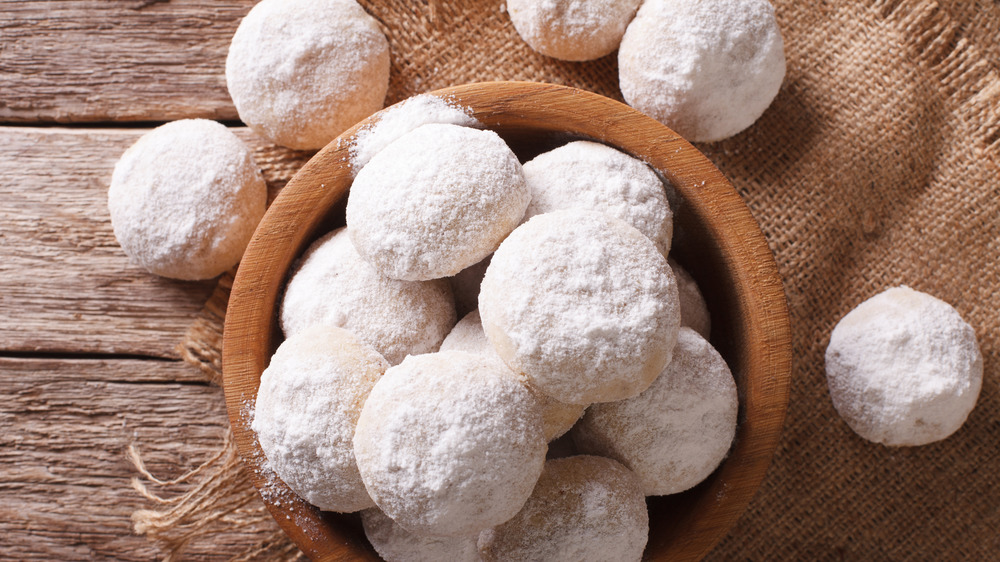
point(307, 406)
point(694, 310)
point(678, 430)
point(301, 72)
point(575, 30)
point(583, 305)
point(333, 286)
point(903, 368)
point(707, 70)
point(583, 508)
point(590, 175)
point(395, 544)
point(435, 201)
point(185, 199)
point(449, 444)
point(468, 335)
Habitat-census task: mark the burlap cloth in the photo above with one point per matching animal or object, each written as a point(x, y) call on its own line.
point(877, 165)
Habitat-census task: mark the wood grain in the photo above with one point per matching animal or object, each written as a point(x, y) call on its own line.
point(65, 284)
point(722, 244)
point(64, 478)
point(125, 60)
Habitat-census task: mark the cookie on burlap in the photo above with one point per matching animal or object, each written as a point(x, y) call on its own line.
point(333, 286)
point(307, 406)
point(583, 508)
point(468, 335)
point(582, 304)
point(574, 30)
point(903, 368)
point(707, 70)
point(449, 444)
point(590, 175)
point(395, 544)
point(678, 430)
point(435, 201)
point(301, 72)
point(185, 199)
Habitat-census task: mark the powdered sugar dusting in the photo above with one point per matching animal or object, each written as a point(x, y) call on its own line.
point(707, 70)
point(468, 336)
point(903, 368)
point(583, 304)
point(449, 444)
point(308, 403)
point(333, 286)
point(402, 118)
point(583, 508)
point(185, 199)
point(395, 544)
point(301, 72)
point(677, 431)
point(590, 175)
point(437, 200)
point(575, 30)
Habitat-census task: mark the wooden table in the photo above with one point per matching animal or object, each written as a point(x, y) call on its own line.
point(88, 359)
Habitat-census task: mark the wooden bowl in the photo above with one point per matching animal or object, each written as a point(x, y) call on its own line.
point(717, 240)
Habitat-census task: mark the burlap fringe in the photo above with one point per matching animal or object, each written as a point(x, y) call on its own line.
point(219, 493)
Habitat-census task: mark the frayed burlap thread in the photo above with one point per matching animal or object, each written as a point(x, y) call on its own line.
point(877, 165)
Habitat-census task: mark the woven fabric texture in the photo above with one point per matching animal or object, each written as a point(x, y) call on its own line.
point(877, 165)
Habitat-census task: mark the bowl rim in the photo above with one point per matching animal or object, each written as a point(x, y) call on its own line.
point(307, 197)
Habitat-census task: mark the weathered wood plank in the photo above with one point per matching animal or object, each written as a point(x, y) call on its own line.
point(65, 284)
point(72, 60)
point(64, 477)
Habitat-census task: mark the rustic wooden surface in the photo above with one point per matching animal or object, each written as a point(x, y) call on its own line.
point(88, 363)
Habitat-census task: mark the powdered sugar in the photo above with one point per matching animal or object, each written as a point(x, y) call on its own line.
point(707, 70)
point(575, 30)
point(694, 310)
point(903, 368)
point(583, 304)
point(185, 199)
point(590, 175)
point(308, 403)
point(395, 544)
point(435, 201)
point(583, 508)
point(402, 118)
point(300, 72)
point(449, 444)
point(468, 336)
point(677, 431)
point(333, 286)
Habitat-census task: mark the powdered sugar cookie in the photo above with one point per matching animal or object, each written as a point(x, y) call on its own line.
point(582, 304)
point(333, 286)
point(185, 199)
point(590, 175)
point(308, 403)
point(707, 70)
point(678, 430)
point(583, 508)
point(395, 544)
point(694, 310)
point(435, 201)
point(449, 444)
point(468, 335)
point(301, 72)
point(575, 30)
point(903, 368)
